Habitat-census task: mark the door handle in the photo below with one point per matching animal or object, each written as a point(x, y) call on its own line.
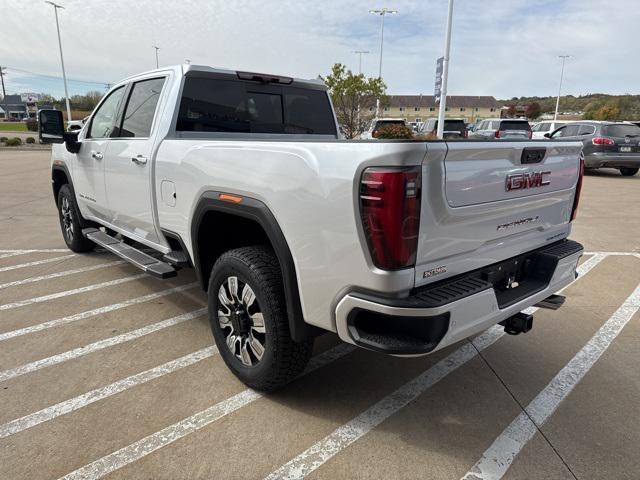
point(96, 155)
point(139, 160)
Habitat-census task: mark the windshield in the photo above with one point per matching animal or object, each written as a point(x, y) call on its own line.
point(621, 130)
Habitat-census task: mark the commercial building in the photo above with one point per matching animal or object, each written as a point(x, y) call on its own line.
point(418, 108)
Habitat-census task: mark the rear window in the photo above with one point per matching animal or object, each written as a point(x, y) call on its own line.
point(457, 125)
point(215, 105)
point(384, 123)
point(621, 130)
point(514, 125)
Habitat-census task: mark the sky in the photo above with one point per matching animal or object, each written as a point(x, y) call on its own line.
point(503, 48)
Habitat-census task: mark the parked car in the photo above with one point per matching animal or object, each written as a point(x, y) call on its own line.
point(453, 128)
point(294, 232)
point(539, 129)
point(503, 128)
point(606, 144)
point(378, 123)
point(75, 125)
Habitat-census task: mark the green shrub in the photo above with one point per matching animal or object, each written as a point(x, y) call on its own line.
point(32, 125)
point(30, 140)
point(394, 131)
point(3, 139)
point(13, 142)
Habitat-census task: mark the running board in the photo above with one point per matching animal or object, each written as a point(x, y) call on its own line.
point(145, 262)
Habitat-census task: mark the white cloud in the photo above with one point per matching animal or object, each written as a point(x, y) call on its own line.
point(502, 48)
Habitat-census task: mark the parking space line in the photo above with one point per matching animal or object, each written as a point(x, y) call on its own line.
point(99, 345)
point(497, 459)
point(96, 311)
point(37, 262)
point(316, 455)
point(143, 447)
point(61, 274)
point(37, 250)
point(309, 460)
point(73, 404)
point(66, 293)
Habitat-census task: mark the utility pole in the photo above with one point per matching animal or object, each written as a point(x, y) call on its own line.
point(4, 94)
point(157, 48)
point(64, 75)
point(383, 13)
point(359, 53)
point(445, 73)
point(564, 59)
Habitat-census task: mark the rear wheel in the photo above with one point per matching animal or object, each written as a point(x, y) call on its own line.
point(71, 222)
point(629, 172)
point(248, 318)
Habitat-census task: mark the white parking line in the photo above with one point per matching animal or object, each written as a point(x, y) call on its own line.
point(38, 250)
point(37, 262)
point(131, 453)
point(61, 274)
point(343, 436)
point(497, 459)
point(66, 293)
point(68, 406)
point(99, 345)
point(96, 311)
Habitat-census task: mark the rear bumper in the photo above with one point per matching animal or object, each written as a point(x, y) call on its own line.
point(614, 160)
point(446, 312)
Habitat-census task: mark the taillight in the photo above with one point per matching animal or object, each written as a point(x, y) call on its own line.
point(602, 141)
point(576, 199)
point(390, 213)
point(466, 133)
point(497, 133)
point(530, 134)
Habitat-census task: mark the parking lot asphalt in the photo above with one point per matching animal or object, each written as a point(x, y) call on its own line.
point(106, 372)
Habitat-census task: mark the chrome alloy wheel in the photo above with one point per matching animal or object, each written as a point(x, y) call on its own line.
point(241, 321)
point(67, 218)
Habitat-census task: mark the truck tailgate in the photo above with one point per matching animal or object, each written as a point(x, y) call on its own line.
point(484, 202)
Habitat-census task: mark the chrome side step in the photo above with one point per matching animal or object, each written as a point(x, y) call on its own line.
point(145, 262)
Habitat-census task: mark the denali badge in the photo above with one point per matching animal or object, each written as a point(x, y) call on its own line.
point(434, 271)
point(522, 181)
point(517, 223)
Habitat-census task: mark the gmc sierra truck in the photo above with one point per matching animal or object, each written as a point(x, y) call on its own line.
point(401, 247)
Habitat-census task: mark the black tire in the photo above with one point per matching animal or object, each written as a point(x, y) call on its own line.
point(628, 172)
point(282, 359)
point(71, 223)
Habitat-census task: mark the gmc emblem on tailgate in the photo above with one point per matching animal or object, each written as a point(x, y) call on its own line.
point(523, 181)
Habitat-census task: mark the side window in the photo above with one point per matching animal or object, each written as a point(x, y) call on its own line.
point(102, 124)
point(587, 130)
point(141, 108)
point(566, 131)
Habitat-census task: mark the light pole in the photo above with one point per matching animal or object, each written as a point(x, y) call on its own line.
point(64, 75)
point(383, 13)
point(564, 59)
point(360, 53)
point(157, 48)
point(445, 73)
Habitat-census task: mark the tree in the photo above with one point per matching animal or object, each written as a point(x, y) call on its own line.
point(511, 111)
point(607, 112)
point(533, 110)
point(354, 98)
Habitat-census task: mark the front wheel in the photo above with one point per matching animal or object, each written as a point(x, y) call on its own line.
point(71, 222)
point(628, 172)
point(248, 317)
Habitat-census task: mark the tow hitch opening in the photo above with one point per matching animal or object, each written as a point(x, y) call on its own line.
point(519, 323)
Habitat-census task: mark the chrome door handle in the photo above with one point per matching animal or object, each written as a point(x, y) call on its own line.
point(96, 155)
point(139, 160)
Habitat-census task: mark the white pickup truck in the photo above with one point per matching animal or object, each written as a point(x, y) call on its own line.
point(402, 247)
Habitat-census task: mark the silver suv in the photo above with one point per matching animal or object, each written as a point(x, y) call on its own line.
point(503, 128)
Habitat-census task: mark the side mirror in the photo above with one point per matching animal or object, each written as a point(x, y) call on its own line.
point(50, 126)
point(547, 135)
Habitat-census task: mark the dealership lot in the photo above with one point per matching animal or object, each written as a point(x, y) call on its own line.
point(105, 371)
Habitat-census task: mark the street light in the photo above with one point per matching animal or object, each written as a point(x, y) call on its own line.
point(564, 59)
point(359, 53)
point(64, 75)
point(383, 13)
point(157, 48)
point(445, 73)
